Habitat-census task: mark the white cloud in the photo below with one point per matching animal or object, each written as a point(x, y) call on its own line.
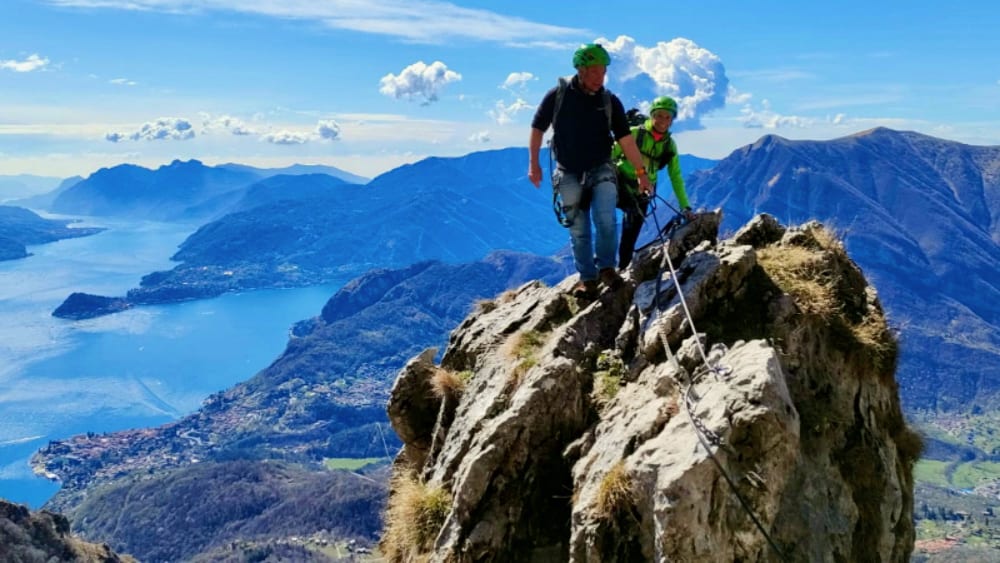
point(517, 80)
point(838, 119)
point(420, 80)
point(735, 97)
point(695, 77)
point(504, 114)
point(122, 82)
point(227, 123)
point(765, 118)
point(164, 128)
point(328, 129)
point(33, 62)
point(325, 129)
point(480, 137)
point(425, 21)
point(285, 137)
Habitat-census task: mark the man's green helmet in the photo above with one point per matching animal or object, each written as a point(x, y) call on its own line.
point(665, 103)
point(591, 54)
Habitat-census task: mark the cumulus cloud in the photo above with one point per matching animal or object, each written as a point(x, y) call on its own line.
point(517, 80)
point(328, 129)
point(480, 137)
point(229, 124)
point(33, 62)
point(418, 80)
point(286, 137)
point(765, 118)
point(164, 128)
point(678, 68)
point(504, 114)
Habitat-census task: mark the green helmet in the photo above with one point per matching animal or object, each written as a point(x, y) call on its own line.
point(591, 54)
point(664, 102)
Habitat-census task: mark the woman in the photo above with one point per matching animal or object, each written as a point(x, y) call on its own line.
point(658, 151)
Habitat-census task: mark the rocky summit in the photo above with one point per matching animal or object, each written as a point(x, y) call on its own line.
point(734, 401)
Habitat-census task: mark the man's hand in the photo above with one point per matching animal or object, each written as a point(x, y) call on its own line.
point(535, 174)
point(644, 185)
point(688, 214)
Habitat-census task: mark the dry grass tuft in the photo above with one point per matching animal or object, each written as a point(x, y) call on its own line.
point(802, 273)
point(486, 305)
point(810, 275)
point(523, 347)
point(507, 296)
point(615, 493)
point(526, 343)
point(413, 518)
point(447, 383)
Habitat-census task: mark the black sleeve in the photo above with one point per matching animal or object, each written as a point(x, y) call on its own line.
point(619, 122)
point(543, 115)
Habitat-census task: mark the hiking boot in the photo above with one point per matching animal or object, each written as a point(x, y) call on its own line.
point(585, 289)
point(611, 279)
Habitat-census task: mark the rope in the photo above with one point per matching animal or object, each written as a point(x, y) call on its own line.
point(706, 437)
point(384, 446)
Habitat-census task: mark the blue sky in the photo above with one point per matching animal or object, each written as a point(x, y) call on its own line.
point(369, 85)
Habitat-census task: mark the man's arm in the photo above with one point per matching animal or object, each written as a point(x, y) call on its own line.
point(534, 147)
point(635, 159)
point(677, 182)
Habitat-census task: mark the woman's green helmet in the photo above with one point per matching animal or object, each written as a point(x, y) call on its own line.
point(591, 54)
point(665, 103)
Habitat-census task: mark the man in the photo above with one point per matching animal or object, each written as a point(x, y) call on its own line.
point(584, 130)
point(658, 151)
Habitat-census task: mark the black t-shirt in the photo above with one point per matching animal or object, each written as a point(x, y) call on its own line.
point(582, 139)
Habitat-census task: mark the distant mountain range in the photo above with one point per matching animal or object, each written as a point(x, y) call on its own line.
point(289, 231)
point(298, 170)
point(181, 190)
point(20, 186)
point(47, 195)
point(921, 215)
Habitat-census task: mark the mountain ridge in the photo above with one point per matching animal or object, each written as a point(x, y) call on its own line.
point(454, 209)
point(919, 214)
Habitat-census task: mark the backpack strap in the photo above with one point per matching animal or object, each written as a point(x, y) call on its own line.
point(561, 93)
point(668, 153)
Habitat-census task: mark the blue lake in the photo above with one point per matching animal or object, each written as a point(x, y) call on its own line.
point(138, 368)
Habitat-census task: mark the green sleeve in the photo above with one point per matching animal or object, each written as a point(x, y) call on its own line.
point(677, 178)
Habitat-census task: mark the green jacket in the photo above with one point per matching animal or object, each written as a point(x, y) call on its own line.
point(651, 151)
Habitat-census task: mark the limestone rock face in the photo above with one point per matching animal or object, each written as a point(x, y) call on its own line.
point(735, 401)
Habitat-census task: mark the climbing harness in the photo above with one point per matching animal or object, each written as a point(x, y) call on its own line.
point(706, 436)
point(558, 208)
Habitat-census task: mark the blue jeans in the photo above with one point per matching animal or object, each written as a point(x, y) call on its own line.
point(603, 195)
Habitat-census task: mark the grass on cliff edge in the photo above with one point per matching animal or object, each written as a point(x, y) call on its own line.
point(805, 274)
point(414, 516)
